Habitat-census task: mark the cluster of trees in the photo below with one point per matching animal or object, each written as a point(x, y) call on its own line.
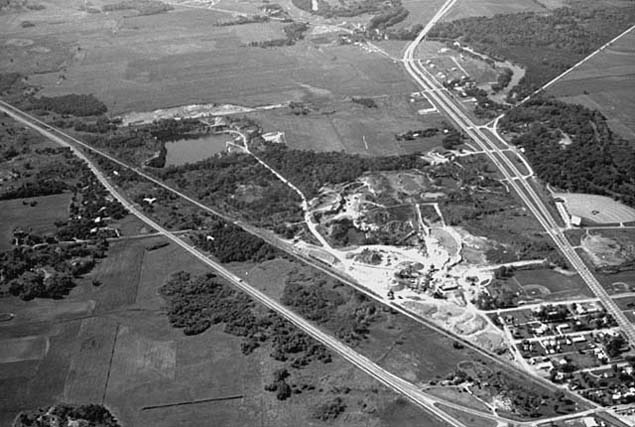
point(347, 8)
point(485, 107)
point(143, 7)
point(528, 400)
point(346, 312)
point(34, 189)
point(294, 32)
point(452, 139)
point(329, 410)
point(238, 184)
point(230, 243)
point(503, 80)
point(197, 303)
point(62, 414)
point(387, 19)
point(310, 170)
point(497, 297)
point(596, 161)
point(73, 104)
point(366, 102)
point(90, 201)
point(406, 33)
point(546, 44)
point(22, 268)
point(279, 384)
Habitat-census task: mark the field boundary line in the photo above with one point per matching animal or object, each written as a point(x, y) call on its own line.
point(112, 355)
point(578, 64)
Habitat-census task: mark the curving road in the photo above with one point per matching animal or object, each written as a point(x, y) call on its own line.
point(446, 103)
point(409, 390)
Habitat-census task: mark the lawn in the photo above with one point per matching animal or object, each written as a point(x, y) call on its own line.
point(556, 286)
point(18, 213)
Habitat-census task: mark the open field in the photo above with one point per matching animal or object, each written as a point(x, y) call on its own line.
point(39, 218)
point(606, 83)
point(420, 11)
point(465, 9)
point(148, 62)
point(130, 359)
point(353, 128)
point(549, 285)
point(396, 343)
point(596, 209)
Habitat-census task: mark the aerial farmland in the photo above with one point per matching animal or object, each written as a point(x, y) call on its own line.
point(316, 212)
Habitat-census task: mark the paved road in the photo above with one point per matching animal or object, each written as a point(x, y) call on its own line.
point(393, 382)
point(420, 398)
point(446, 103)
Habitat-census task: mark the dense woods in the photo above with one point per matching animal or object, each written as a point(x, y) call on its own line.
point(76, 105)
point(66, 415)
point(230, 243)
point(197, 303)
point(310, 170)
point(546, 44)
point(39, 268)
point(573, 148)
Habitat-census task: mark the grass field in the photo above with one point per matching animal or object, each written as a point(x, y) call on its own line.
point(606, 83)
point(550, 285)
point(149, 62)
point(399, 344)
point(126, 355)
point(465, 9)
point(354, 128)
point(39, 218)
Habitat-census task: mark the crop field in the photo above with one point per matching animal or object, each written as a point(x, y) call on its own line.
point(132, 360)
point(39, 218)
point(90, 366)
point(141, 63)
point(120, 270)
point(607, 83)
point(354, 128)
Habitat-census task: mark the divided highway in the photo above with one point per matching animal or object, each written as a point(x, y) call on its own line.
point(444, 101)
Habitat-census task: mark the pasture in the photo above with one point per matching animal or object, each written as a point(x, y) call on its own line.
point(346, 126)
point(141, 63)
point(40, 218)
point(607, 83)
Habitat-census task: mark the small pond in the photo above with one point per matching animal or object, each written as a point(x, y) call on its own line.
point(185, 151)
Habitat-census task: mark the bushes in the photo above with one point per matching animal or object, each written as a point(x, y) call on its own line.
point(195, 304)
point(35, 189)
point(76, 105)
point(329, 410)
point(230, 243)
